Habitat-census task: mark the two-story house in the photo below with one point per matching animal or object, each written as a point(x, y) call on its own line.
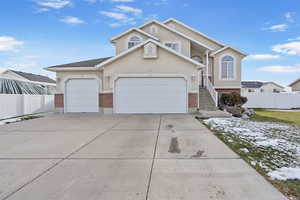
point(159, 67)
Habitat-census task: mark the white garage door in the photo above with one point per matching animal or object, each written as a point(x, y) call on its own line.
point(82, 95)
point(151, 95)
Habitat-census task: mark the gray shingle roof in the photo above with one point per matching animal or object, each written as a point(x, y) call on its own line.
point(86, 63)
point(34, 77)
point(251, 84)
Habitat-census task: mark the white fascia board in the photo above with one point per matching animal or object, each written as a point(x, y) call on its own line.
point(142, 44)
point(227, 87)
point(177, 32)
point(194, 30)
point(271, 82)
point(294, 82)
point(227, 47)
point(55, 69)
point(134, 29)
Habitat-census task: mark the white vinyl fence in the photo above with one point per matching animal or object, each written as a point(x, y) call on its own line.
point(18, 104)
point(272, 100)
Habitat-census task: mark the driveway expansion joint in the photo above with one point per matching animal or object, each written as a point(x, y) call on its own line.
point(154, 154)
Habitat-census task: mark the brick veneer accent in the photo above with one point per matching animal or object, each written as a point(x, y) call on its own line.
point(193, 100)
point(59, 100)
point(228, 90)
point(106, 100)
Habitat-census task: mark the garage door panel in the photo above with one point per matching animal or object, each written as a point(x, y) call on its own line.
point(151, 95)
point(82, 95)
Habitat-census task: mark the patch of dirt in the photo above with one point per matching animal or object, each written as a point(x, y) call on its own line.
point(174, 146)
point(198, 154)
point(170, 126)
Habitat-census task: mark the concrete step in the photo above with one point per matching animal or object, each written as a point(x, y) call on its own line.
point(205, 100)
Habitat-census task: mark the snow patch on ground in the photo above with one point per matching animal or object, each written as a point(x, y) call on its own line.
point(285, 173)
point(7, 121)
point(279, 143)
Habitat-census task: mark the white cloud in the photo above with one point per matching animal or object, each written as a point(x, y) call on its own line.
point(72, 20)
point(160, 2)
point(122, 0)
point(262, 57)
point(41, 10)
point(151, 17)
point(114, 15)
point(128, 9)
point(115, 24)
point(289, 16)
point(278, 28)
point(290, 48)
point(121, 18)
point(293, 39)
point(9, 43)
point(281, 68)
point(57, 4)
point(91, 1)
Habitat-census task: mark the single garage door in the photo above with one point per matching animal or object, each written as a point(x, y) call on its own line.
point(82, 95)
point(151, 95)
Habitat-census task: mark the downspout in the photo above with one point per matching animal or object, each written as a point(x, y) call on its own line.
point(207, 64)
point(198, 74)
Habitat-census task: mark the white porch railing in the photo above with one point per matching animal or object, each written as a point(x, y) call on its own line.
point(213, 93)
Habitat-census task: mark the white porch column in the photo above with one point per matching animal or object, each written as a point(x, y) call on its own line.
point(207, 65)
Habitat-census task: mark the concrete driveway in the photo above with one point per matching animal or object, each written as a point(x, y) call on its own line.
point(128, 157)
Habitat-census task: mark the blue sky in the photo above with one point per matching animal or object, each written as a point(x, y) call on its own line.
point(38, 33)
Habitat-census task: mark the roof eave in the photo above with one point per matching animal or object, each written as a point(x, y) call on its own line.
point(177, 32)
point(228, 47)
point(55, 69)
point(192, 29)
point(142, 44)
point(112, 40)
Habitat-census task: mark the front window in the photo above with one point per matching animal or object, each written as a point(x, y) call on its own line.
point(133, 41)
point(227, 68)
point(173, 45)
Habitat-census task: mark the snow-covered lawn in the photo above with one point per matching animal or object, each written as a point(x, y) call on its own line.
point(274, 147)
point(7, 121)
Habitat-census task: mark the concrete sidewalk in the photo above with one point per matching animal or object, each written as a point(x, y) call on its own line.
point(128, 157)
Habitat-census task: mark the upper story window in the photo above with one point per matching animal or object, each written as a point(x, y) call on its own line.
point(227, 68)
point(173, 45)
point(134, 40)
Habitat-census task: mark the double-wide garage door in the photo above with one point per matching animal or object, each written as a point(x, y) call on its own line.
point(82, 95)
point(151, 95)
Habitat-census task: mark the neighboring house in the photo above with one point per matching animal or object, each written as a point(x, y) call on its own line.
point(261, 86)
point(16, 82)
point(158, 68)
point(295, 85)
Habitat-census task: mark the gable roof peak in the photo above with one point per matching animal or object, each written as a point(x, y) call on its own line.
point(193, 30)
point(134, 29)
point(176, 32)
point(143, 44)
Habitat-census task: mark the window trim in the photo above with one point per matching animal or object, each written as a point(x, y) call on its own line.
point(174, 42)
point(234, 67)
point(133, 35)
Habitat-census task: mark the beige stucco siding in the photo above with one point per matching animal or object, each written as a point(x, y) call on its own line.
point(121, 43)
point(135, 64)
point(194, 35)
point(237, 69)
point(164, 35)
point(296, 86)
point(63, 76)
